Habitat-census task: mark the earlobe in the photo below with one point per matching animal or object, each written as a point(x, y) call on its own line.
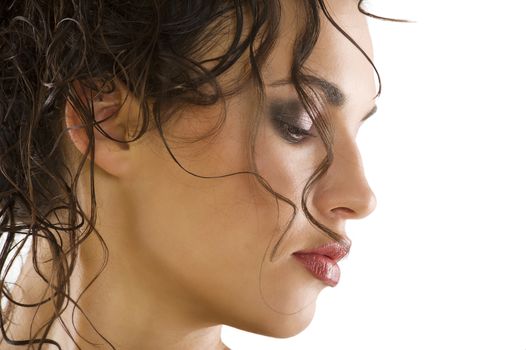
point(109, 109)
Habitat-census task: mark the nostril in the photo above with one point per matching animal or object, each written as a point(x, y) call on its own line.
point(343, 212)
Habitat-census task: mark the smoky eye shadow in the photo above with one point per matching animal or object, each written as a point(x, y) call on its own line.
point(291, 112)
point(285, 109)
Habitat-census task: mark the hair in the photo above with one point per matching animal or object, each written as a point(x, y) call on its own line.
point(155, 49)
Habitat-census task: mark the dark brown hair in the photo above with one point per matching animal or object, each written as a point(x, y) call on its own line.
point(155, 48)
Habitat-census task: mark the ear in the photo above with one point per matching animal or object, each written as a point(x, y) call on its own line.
point(111, 111)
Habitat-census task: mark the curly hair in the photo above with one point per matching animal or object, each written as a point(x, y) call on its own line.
point(156, 49)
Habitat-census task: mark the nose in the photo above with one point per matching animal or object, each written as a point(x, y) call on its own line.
point(343, 192)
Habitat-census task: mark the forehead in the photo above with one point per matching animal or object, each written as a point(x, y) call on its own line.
point(334, 57)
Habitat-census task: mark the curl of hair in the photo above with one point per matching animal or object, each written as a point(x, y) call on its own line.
point(154, 48)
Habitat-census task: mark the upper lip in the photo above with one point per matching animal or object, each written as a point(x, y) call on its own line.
point(335, 250)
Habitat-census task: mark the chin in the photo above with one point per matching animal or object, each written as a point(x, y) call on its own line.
point(281, 326)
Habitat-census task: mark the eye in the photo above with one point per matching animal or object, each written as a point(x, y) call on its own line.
point(291, 121)
point(290, 132)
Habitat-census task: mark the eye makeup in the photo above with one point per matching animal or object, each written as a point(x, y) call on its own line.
point(290, 120)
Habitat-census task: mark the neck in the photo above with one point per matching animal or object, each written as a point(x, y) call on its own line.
point(132, 307)
point(127, 305)
point(134, 303)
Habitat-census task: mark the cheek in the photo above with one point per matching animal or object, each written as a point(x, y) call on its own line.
point(287, 167)
point(214, 241)
point(214, 237)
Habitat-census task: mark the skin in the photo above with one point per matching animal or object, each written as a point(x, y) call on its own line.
point(186, 254)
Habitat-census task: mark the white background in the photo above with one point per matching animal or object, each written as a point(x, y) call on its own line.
point(441, 263)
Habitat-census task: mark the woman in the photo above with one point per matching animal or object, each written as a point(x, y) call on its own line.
point(173, 166)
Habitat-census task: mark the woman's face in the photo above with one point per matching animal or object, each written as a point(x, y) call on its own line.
point(210, 240)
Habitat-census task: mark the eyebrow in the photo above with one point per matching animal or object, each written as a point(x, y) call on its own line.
point(370, 113)
point(332, 92)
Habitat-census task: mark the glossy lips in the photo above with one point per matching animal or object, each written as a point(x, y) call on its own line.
point(322, 261)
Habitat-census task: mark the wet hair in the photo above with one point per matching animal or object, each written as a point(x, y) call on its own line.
point(155, 48)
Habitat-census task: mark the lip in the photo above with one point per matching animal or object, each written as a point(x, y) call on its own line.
point(322, 262)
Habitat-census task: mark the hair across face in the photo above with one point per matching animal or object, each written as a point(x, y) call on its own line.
point(242, 150)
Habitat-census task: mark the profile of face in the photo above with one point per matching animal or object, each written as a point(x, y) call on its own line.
point(214, 248)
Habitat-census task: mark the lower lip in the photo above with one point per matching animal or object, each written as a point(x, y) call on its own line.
point(322, 267)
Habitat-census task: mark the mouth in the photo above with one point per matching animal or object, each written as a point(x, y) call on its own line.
point(322, 262)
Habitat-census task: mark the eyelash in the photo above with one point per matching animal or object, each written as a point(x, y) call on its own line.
point(291, 121)
point(292, 133)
